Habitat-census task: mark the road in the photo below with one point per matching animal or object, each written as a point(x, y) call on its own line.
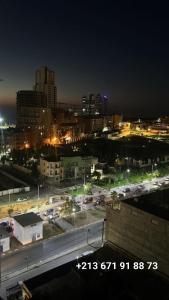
point(54, 263)
point(41, 251)
point(144, 187)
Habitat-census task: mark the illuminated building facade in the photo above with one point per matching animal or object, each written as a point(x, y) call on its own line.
point(34, 118)
point(66, 168)
point(92, 105)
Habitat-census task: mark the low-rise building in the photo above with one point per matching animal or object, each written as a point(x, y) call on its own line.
point(51, 169)
point(67, 167)
point(78, 167)
point(4, 240)
point(28, 228)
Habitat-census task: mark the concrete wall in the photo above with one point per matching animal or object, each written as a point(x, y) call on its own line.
point(33, 233)
point(142, 234)
point(14, 191)
point(5, 242)
point(23, 187)
point(18, 231)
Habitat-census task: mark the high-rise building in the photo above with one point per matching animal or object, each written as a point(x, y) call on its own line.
point(33, 115)
point(30, 98)
point(93, 105)
point(28, 107)
point(45, 82)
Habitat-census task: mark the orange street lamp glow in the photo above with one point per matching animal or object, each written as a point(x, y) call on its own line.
point(27, 146)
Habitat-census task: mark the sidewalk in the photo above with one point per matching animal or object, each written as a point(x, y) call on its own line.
point(63, 224)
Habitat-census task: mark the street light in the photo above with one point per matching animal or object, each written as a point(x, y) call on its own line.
point(2, 136)
point(38, 191)
point(152, 167)
point(74, 209)
point(103, 231)
point(128, 172)
point(9, 196)
point(88, 230)
point(1, 251)
point(39, 186)
point(26, 259)
point(102, 235)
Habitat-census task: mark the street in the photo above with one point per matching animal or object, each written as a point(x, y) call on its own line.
point(45, 249)
point(54, 263)
point(138, 189)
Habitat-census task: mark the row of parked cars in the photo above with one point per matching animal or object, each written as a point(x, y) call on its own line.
point(162, 184)
point(51, 214)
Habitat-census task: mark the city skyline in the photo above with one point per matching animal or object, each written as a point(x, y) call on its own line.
point(84, 149)
point(116, 49)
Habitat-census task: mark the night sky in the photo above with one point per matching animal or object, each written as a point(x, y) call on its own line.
point(118, 48)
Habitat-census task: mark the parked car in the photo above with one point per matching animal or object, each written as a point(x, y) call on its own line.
point(4, 223)
point(20, 199)
point(127, 190)
point(57, 215)
point(141, 186)
point(88, 200)
point(50, 211)
point(121, 195)
point(50, 217)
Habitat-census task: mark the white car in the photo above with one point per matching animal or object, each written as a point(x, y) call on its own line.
point(50, 217)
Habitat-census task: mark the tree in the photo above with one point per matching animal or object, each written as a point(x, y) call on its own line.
point(3, 158)
point(10, 211)
point(114, 195)
point(88, 187)
point(69, 207)
point(96, 175)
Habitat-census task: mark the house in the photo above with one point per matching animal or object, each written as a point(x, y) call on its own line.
point(57, 169)
point(51, 169)
point(78, 167)
point(4, 240)
point(28, 228)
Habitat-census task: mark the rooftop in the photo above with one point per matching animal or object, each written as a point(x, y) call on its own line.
point(156, 203)
point(51, 158)
point(66, 156)
point(27, 219)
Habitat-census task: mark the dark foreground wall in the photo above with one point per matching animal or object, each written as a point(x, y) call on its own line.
point(140, 233)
